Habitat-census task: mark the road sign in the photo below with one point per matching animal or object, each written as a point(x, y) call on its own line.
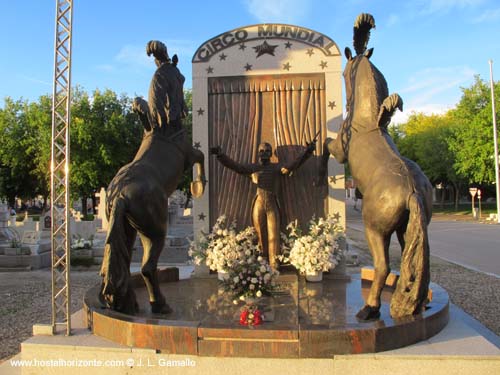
point(473, 192)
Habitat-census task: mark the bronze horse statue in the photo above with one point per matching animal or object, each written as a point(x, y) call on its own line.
point(397, 196)
point(137, 197)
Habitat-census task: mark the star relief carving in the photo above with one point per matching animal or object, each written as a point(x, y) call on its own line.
point(202, 217)
point(265, 48)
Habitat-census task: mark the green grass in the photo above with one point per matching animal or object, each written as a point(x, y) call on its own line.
point(20, 216)
point(465, 209)
point(88, 217)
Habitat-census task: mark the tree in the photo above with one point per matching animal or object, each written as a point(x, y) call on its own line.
point(187, 122)
point(38, 143)
point(105, 135)
point(17, 154)
point(472, 140)
point(425, 139)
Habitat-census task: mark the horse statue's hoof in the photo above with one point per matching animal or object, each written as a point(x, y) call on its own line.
point(197, 188)
point(368, 313)
point(160, 308)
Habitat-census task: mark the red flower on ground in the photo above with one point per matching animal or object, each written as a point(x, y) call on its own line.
point(250, 316)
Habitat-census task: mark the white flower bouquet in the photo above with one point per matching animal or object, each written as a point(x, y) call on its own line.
point(79, 243)
point(222, 249)
point(248, 274)
point(250, 277)
point(198, 249)
point(219, 249)
point(318, 250)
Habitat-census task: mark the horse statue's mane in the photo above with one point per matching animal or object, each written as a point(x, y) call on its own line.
point(366, 86)
point(361, 32)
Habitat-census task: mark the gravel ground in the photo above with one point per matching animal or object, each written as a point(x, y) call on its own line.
point(25, 300)
point(25, 296)
point(476, 293)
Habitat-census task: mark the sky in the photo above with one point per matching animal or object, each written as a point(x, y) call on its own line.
point(427, 49)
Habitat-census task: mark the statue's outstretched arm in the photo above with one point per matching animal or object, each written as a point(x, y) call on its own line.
point(288, 170)
point(245, 169)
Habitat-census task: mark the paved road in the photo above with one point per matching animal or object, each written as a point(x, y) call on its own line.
point(473, 245)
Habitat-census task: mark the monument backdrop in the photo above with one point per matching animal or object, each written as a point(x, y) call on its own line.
point(272, 83)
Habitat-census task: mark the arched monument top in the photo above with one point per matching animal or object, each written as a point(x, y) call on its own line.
point(265, 32)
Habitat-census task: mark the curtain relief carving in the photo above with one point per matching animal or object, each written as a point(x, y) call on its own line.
point(287, 112)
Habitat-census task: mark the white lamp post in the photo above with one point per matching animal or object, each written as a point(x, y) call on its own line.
point(495, 141)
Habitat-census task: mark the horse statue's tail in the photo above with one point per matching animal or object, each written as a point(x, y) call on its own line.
point(411, 291)
point(116, 291)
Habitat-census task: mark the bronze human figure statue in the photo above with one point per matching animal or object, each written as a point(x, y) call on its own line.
point(137, 197)
point(397, 196)
point(265, 210)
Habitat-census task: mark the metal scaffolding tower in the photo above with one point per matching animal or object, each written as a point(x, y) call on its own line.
point(59, 168)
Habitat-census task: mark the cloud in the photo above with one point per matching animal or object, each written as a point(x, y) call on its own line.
point(135, 55)
point(433, 90)
point(487, 16)
point(184, 49)
point(436, 6)
point(393, 19)
point(429, 109)
point(287, 11)
point(35, 80)
point(430, 82)
point(106, 68)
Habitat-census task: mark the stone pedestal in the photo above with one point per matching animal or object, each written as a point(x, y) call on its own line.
point(301, 320)
point(37, 241)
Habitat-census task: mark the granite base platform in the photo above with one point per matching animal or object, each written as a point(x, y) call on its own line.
point(302, 320)
point(461, 348)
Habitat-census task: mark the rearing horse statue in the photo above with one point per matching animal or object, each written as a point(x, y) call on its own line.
point(137, 197)
point(397, 196)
